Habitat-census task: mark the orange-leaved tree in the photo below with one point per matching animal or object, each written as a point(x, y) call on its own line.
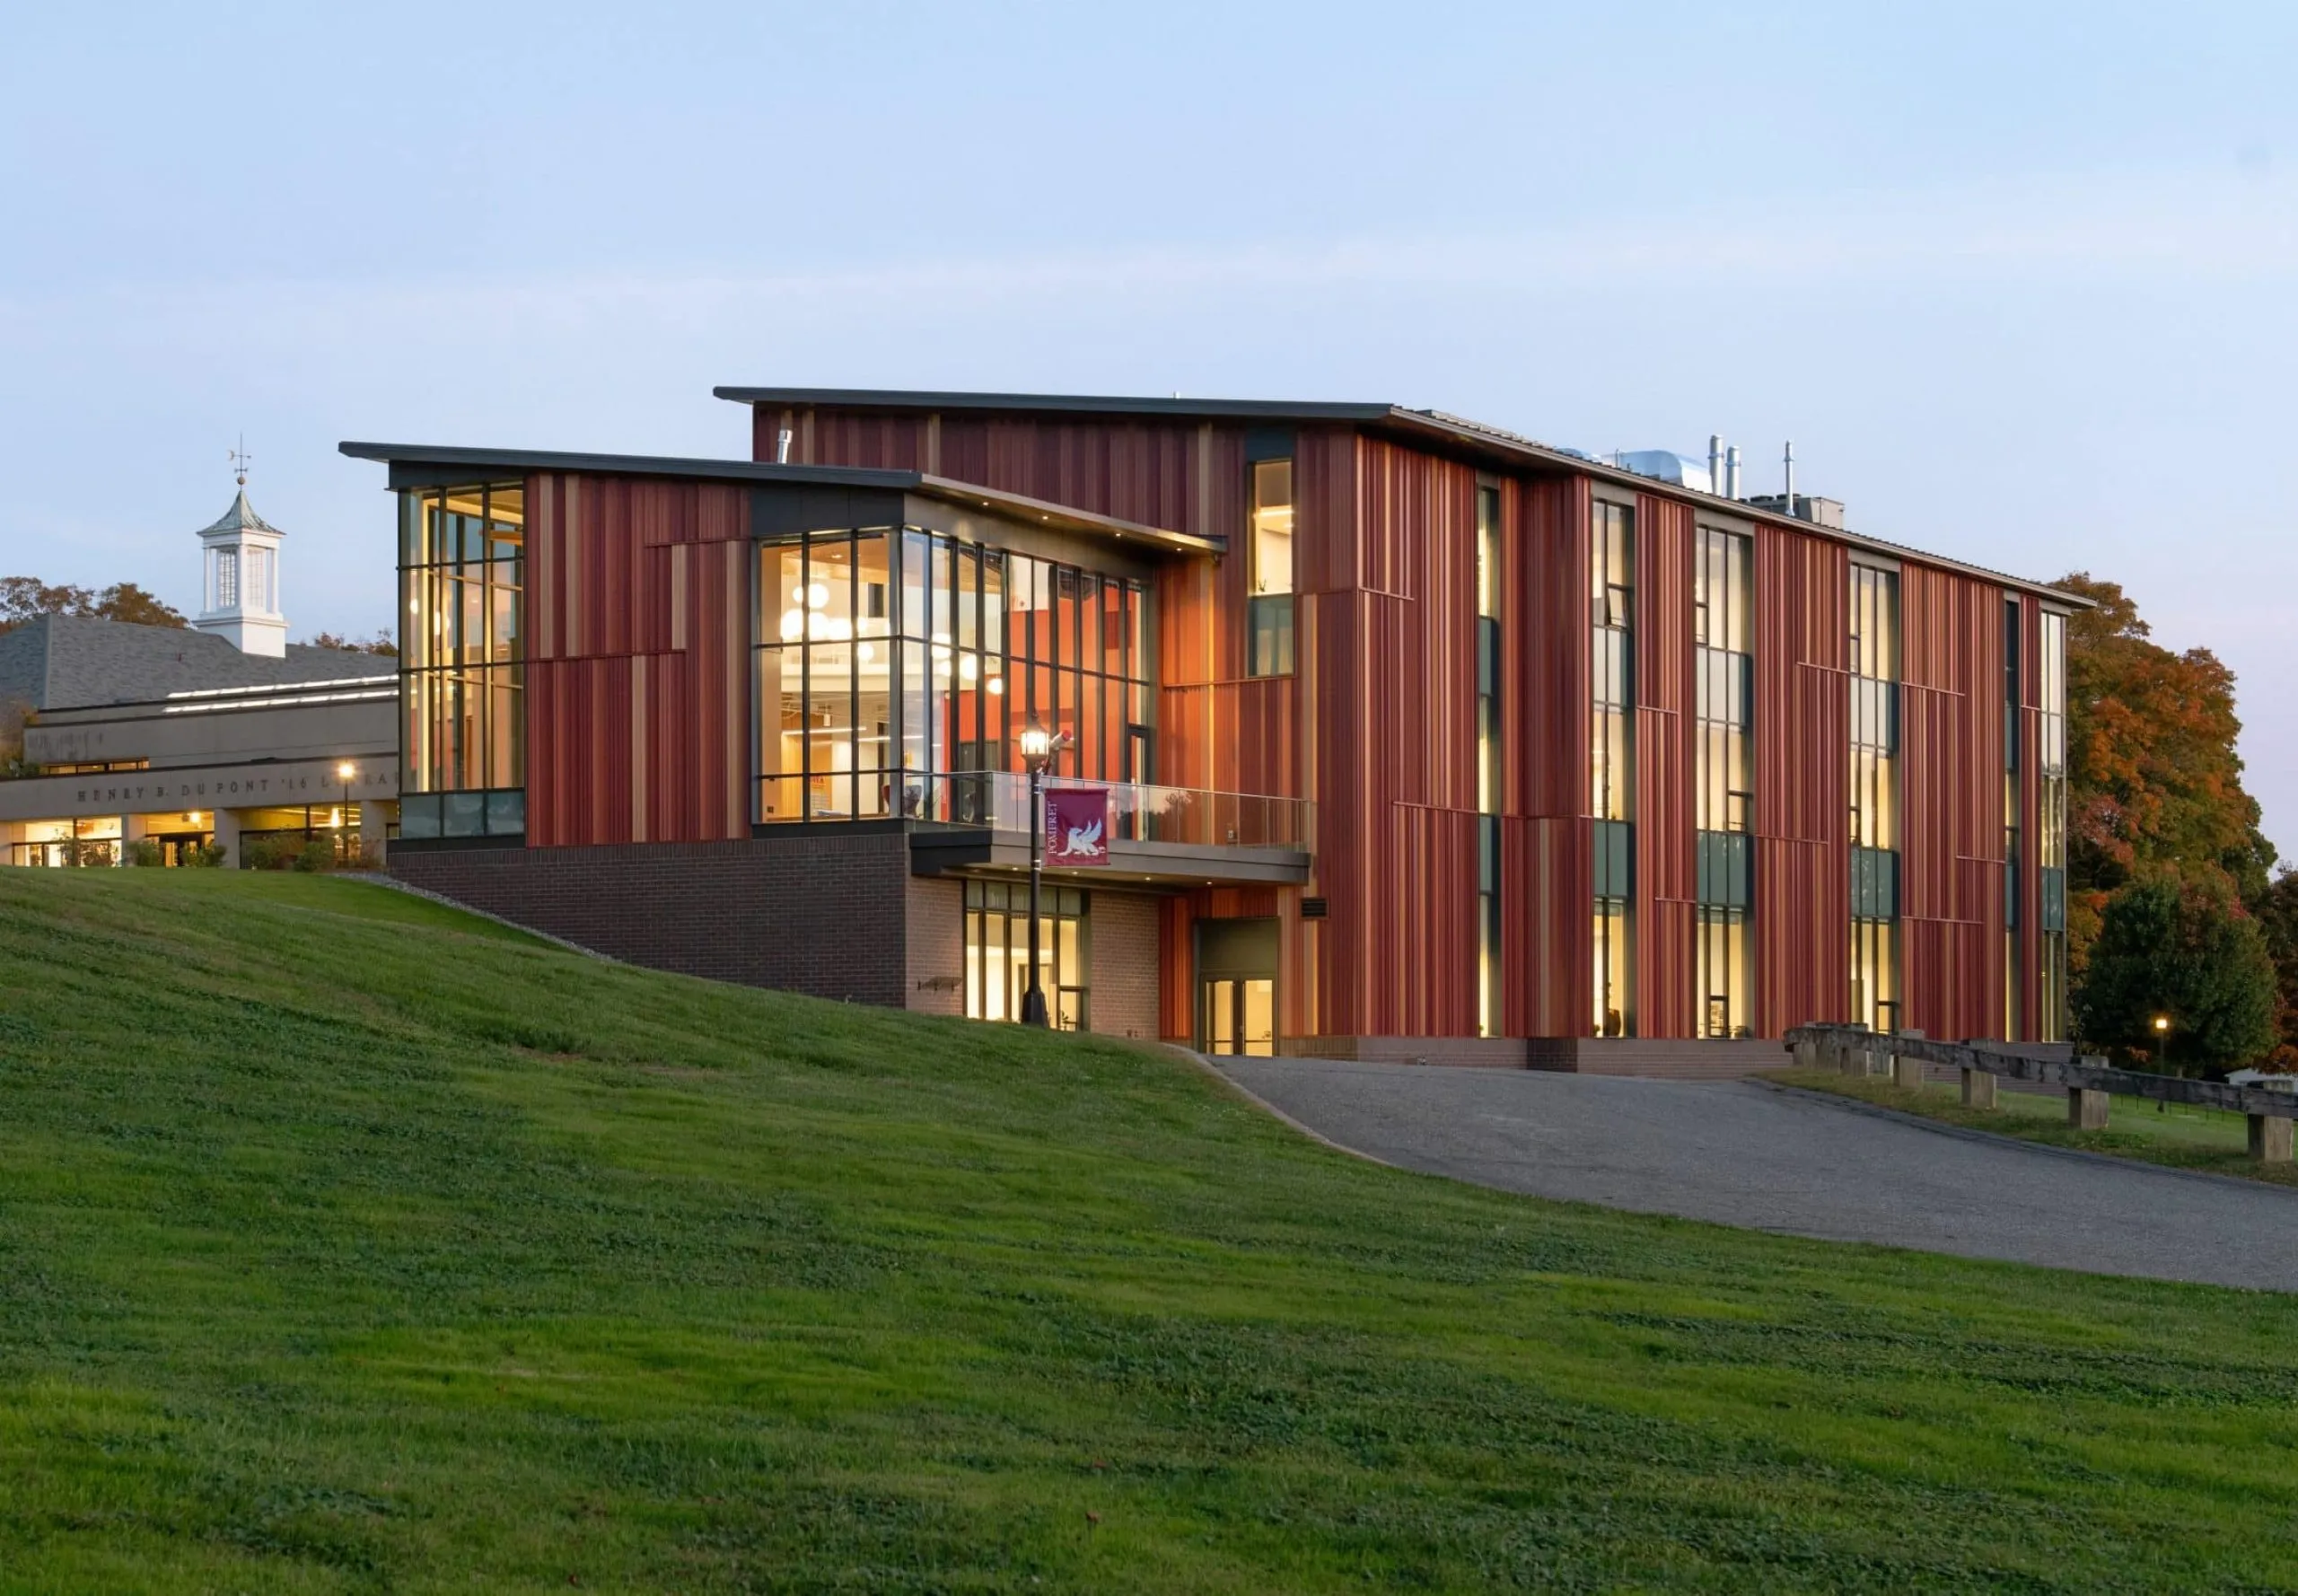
point(2154, 787)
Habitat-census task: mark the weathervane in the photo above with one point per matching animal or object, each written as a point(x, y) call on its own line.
point(240, 458)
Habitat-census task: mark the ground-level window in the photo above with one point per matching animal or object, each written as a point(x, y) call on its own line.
point(1875, 974)
point(997, 953)
point(1727, 951)
point(1615, 1005)
point(89, 841)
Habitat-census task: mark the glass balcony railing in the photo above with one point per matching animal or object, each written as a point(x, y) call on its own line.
point(1138, 812)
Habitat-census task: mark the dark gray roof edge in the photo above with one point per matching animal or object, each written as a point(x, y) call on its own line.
point(1020, 506)
point(1509, 443)
point(900, 398)
point(1459, 429)
point(636, 465)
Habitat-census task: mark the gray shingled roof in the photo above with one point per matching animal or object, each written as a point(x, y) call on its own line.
point(55, 662)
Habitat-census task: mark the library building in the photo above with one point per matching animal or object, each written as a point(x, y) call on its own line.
point(1349, 730)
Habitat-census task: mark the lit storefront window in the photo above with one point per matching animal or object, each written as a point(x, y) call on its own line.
point(1611, 597)
point(997, 953)
point(2051, 853)
point(1874, 644)
point(1724, 693)
point(896, 669)
point(462, 592)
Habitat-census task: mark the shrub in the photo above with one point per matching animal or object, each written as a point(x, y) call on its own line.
point(145, 852)
point(318, 853)
point(269, 853)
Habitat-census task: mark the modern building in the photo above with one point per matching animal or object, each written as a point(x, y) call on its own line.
point(214, 735)
point(1423, 740)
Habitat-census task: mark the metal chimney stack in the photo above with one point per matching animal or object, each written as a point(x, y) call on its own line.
point(1731, 472)
point(782, 448)
point(1716, 462)
point(1787, 472)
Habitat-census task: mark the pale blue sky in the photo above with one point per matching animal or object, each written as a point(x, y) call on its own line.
point(2018, 280)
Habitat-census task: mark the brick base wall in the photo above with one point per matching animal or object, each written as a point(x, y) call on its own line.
point(936, 946)
point(824, 913)
point(1124, 979)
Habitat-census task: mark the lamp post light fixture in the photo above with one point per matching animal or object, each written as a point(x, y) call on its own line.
point(344, 772)
point(2162, 1040)
point(1039, 746)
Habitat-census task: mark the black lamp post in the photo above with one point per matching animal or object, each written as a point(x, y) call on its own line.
point(1038, 749)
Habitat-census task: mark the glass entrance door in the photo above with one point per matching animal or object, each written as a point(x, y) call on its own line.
point(1238, 1015)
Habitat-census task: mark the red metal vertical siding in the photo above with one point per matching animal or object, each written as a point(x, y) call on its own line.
point(1802, 743)
point(638, 666)
point(1664, 884)
point(1951, 755)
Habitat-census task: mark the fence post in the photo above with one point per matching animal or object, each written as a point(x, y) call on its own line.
point(1979, 1088)
point(2086, 1108)
point(2270, 1138)
point(1907, 1072)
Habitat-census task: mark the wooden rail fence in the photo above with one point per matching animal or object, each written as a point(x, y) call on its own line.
point(2091, 1085)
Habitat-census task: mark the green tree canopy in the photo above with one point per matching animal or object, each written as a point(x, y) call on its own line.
point(2188, 951)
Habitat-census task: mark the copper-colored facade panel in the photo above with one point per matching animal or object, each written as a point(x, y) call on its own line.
point(637, 672)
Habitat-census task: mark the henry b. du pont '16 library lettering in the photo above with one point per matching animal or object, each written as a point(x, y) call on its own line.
point(1418, 738)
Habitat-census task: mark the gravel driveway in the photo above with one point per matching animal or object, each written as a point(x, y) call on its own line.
point(1747, 1155)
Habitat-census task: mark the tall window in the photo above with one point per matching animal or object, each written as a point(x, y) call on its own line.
point(1490, 759)
point(1874, 798)
point(463, 580)
point(1611, 602)
point(2050, 854)
point(1270, 607)
point(227, 578)
point(2012, 702)
point(1723, 687)
point(997, 953)
point(896, 671)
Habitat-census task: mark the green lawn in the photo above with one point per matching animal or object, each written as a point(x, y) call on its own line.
point(2173, 1133)
point(348, 1245)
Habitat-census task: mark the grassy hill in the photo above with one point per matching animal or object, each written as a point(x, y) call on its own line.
point(350, 1244)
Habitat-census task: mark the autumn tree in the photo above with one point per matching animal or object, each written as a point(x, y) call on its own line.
point(382, 643)
point(2154, 785)
point(22, 598)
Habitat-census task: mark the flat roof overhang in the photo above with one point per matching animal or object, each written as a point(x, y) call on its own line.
point(834, 490)
point(1492, 445)
point(942, 850)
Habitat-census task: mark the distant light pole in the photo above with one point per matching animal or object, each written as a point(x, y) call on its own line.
point(1037, 748)
point(344, 772)
point(2162, 1041)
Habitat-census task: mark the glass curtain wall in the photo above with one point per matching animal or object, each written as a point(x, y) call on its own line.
point(997, 953)
point(1723, 687)
point(1612, 595)
point(462, 584)
point(1875, 642)
point(1490, 759)
point(2012, 701)
point(2050, 855)
point(1270, 606)
point(892, 666)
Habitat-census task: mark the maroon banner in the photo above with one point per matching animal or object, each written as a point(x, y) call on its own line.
point(1076, 826)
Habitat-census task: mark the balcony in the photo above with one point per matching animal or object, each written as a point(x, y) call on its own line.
point(1181, 835)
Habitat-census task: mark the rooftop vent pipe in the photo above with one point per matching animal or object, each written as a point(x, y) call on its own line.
point(1787, 469)
point(1716, 462)
point(1731, 472)
point(782, 448)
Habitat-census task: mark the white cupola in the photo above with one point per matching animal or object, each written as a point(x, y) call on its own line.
point(240, 596)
